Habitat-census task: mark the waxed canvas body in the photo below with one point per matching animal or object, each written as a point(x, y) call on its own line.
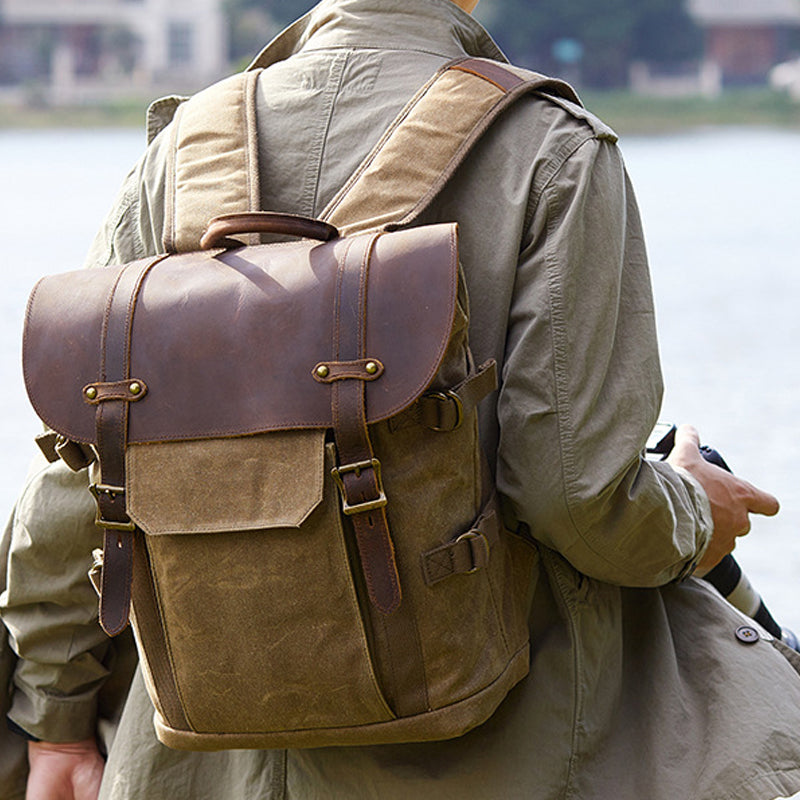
point(254, 623)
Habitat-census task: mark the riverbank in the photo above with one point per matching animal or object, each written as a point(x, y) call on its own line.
point(123, 114)
point(627, 113)
point(631, 114)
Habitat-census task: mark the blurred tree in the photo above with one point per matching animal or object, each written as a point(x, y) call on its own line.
point(609, 33)
point(252, 23)
point(612, 34)
point(286, 11)
point(666, 33)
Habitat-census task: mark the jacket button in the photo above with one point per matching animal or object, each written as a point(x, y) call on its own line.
point(747, 634)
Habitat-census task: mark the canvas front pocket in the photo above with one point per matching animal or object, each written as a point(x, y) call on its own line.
point(253, 585)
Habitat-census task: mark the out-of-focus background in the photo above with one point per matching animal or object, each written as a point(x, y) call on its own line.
point(705, 95)
point(115, 53)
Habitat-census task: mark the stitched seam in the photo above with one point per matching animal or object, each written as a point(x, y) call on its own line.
point(280, 776)
point(170, 189)
point(563, 405)
point(342, 194)
point(549, 172)
point(571, 613)
point(162, 623)
point(337, 302)
point(317, 153)
point(251, 142)
point(382, 48)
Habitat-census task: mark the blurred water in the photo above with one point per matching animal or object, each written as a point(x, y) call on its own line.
point(721, 215)
point(720, 209)
point(55, 188)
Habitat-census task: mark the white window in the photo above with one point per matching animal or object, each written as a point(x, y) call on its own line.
point(180, 43)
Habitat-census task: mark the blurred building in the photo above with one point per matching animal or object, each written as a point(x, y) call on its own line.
point(744, 39)
point(76, 48)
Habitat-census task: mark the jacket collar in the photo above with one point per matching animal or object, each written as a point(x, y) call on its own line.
point(434, 26)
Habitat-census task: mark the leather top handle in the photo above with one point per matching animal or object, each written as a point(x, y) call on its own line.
point(226, 225)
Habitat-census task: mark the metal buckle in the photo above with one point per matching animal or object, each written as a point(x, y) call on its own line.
point(113, 526)
point(98, 489)
point(459, 406)
point(480, 558)
point(103, 488)
point(367, 505)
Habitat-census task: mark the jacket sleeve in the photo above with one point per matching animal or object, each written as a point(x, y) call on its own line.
point(581, 387)
point(50, 608)
point(49, 605)
point(134, 227)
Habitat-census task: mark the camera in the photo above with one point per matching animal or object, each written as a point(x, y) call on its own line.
point(727, 576)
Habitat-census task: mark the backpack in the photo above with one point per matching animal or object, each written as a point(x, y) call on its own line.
point(297, 512)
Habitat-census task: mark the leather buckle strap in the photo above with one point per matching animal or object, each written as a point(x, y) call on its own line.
point(102, 493)
point(75, 455)
point(363, 498)
point(464, 556)
point(113, 392)
point(478, 549)
point(357, 469)
point(445, 411)
point(47, 444)
point(467, 553)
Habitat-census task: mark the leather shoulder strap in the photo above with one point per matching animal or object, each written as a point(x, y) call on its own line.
point(213, 166)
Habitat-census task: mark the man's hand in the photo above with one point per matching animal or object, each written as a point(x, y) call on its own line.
point(70, 771)
point(732, 499)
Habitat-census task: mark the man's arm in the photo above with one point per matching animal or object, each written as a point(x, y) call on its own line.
point(50, 611)
point(582, 386)
point(50, 607)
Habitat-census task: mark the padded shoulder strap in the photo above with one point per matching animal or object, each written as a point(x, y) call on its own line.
point(214, 167)
point(428, 140)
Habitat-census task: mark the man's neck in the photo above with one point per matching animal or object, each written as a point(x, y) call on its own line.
point(466, 5)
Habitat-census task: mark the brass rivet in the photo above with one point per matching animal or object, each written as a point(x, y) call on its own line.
point(135, 388)
point(371, 367)
point(91, 393)
point(323, 371)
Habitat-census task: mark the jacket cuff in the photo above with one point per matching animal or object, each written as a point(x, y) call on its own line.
point(14, 728)
point(53, 719)
point(704, 529)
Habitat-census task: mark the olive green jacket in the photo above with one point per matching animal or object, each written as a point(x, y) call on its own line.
point(13, 760)
point(638, 687)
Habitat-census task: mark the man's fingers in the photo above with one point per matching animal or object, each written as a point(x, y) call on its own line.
point(687, 445)
point(761, 502)
point(724, 489)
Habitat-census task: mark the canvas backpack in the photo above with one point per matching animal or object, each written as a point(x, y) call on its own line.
point(288, 468)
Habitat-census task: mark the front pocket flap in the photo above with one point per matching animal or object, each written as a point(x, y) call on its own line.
point(270, 480)
point(228, 343)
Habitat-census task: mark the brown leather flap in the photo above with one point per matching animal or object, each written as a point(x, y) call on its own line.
point(227, 342)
